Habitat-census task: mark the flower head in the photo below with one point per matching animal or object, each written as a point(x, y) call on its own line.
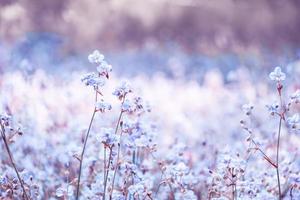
point(122, 90)
point(277, 75)
point(96, 57)
point(274, 108)
point(108, 137)
point(93, 79)
point(102, 106)
point(247, 108)
point(294, 121)
point(104, 68)
point(295, 97)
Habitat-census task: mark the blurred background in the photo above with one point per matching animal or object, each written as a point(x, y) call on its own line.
point(175, 37)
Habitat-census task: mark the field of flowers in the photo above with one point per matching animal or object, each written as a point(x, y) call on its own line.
point(95, 135)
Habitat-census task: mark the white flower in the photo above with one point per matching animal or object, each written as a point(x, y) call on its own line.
point(247, 108)
point(128, 106)
point(61, 191)
point(108, 136)
point(94, 80)
point(277, 75)
point(180, 168)
point(273, 109)
point(96, 57)
point(295, 97)
point(294, 121)
point(122, 90)
point(104, 69)
point(185, 195)
point(102, 106)
point(137, 189)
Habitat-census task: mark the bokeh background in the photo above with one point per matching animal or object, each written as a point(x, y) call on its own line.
point(176, 37)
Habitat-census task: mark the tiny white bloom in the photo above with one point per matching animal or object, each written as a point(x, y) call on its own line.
point(102, 106)
point(247, 108)
point(122, 90)
point(295, 97)
point(274, 108)
point(277, 75)
point(96, 57)
point(294, 121)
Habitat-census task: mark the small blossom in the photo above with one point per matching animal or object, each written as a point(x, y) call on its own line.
point(137, 189)
point(104, 69)
point(96, 57)
point(295, 97)
point(108, 137)
point(128, 106)
point(181, 169)
point(247, 108)
point(61, 191)
point(94, 80)
point(294, 121)
point(277, 75)
point(122, 90)
point(102, 106)
point(274, 108)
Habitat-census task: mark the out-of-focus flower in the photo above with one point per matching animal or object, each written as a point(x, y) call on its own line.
point(122, 90)
point(61, 191)
point(277, 75)
point(104, 69)
point(136, 189)
point(94, 80)
point(295, 97)
point(180, 169)
point(186, 195)
point(273, 108)
point(102, 106)
point(128, 106)
point(96, 57)
point(247, 108)
point(294, 121)
point(108, 137)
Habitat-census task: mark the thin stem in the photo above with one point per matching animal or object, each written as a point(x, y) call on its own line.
point(107, 171)
point(83, 149)
point(12, 161)
point(119, 148)
point(104, 168)
point(118, 158)
point(277, 159)
point(279, 89)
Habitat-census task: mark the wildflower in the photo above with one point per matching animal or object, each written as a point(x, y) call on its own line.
point(277, 75)
point(294, 121)
point(96, 57)
point(295, 97)
point(5, 119)
point(61, 191)
point(94, 80)
point(180, 168)
point(128, 106)
point(274, 108)
point(136, 189)
point(187, 195)
point(247, 108)
point(108, 137)
point(102, 106)
point(104, 69)
point(122, 90)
